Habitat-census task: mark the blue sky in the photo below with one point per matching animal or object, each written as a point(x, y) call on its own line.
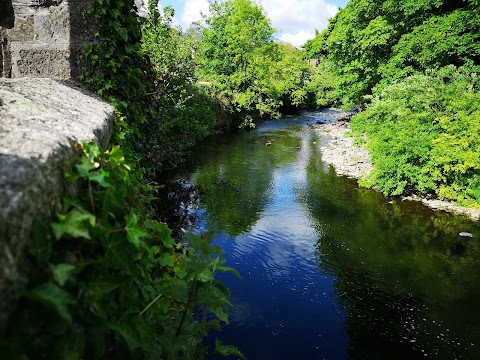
point(295, 20)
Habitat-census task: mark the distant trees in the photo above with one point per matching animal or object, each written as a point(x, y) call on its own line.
point(372, 43)
point(240, 59)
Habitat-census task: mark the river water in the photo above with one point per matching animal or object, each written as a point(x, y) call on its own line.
point(330, 270)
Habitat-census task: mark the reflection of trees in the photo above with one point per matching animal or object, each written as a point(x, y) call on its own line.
point(235, 177)
point(404, 275)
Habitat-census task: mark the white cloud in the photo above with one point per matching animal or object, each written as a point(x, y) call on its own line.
point(192, 11)
point(297, 39)
point(297, 20)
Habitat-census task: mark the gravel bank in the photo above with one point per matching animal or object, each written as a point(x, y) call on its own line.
point(338, 150)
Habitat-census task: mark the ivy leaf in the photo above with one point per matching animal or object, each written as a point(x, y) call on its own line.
point(62, 272)
point(166, 260)
point(74, 223)
point(100, 177)
point(85, 166)
point(116, 254)
point(161, 231)
point(134, 232)
point(54, 297)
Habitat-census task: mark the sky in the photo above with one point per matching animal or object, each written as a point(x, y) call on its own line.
point(295, 20)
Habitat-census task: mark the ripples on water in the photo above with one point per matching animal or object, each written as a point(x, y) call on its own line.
point(331, 271)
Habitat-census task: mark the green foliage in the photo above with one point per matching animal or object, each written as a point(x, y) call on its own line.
point(242, 65)
point(145, 68)
point(375, 42)
point(114, 283)
point(441, 40)
point(404, 56)
point(227, 350)
point(180, 111)
point(423, 135)
point(324, 85)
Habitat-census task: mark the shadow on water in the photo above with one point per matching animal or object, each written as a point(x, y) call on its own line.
point(409, 282)
point(330, 270)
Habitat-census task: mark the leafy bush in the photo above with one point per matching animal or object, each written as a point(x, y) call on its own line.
point(423, 135)
point(113, 283)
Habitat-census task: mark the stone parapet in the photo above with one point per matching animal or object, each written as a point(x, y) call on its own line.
point(40, 119)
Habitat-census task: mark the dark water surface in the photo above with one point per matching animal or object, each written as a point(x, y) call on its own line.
point(330, 270)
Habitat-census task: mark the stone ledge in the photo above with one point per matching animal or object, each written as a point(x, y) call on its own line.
point(40, 119)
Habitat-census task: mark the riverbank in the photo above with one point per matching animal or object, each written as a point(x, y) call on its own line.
point(355, 162)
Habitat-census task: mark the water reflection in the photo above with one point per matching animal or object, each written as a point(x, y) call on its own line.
point(331, 270)
point(409, 283)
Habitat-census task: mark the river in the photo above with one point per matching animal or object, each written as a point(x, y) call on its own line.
point(330, 270)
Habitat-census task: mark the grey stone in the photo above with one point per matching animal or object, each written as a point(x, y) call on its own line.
point(47, 39)
point(466, 234)
point(40, 61)
point(40, 119)
point(23, 30)
point(53, 26)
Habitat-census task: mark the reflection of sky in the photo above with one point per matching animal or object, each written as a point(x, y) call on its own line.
point(287, 304)
point(284, 307)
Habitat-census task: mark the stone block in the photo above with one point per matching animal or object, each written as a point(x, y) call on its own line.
point(40, 61)
point(53, 26)
point(23, 31)
point(39, 121)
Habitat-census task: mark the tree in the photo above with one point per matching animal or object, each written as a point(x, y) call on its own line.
point(371, 42)
point(181, 112)
point(236, 53)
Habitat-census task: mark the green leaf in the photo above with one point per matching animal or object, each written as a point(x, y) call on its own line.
point(167, 260)
point(162, 232)
point(227, 350)
point(75, 224)
point(220, 312)
point(116, 253)
point(85, 166)
point(206, 276)
point(102, 288)
point(100, 177)
point(227, 269)
point(62, 272)
point(134, 232)
point(54, 297)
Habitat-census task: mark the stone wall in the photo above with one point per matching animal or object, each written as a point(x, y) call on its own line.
point(46, 39)
point(41, 116)
point(39, 121)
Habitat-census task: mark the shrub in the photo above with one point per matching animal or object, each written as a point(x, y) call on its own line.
point(423, 134)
